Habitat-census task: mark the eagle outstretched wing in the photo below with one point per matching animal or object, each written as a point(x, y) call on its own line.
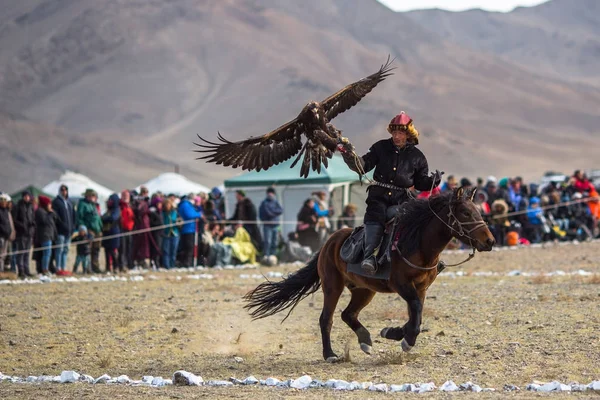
point(349, 96)
point(281, 144)
point(255, 153)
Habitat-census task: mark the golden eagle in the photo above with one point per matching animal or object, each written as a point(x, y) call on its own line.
point(322, 138)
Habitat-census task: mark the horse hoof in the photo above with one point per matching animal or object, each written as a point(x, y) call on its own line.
point(405, 346)
point(384, 332)
point(366, 348)
point(333, 359)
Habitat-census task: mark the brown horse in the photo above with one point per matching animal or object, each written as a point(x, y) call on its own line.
point(425, 227)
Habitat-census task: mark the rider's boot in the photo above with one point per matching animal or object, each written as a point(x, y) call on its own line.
point(373, 234)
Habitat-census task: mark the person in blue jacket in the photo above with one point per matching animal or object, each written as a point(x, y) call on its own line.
point(192, 220)
point(269, 212)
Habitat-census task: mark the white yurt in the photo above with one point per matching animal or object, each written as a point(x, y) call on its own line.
point(171, 182)
point(77, 184)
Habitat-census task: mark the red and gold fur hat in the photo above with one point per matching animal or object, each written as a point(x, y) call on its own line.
point(402, 122)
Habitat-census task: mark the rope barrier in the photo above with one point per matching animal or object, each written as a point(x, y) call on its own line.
point(333, 220)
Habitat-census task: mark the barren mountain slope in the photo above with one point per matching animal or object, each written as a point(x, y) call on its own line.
point(560, 37)
point(151, 74)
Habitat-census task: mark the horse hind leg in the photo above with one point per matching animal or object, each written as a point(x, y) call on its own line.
point(332, 286)
point(359, 300)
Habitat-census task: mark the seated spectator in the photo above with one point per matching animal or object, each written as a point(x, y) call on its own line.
point(581, 183)
point(450, 184)
point(294, 251)
point(535, 216)
point(241, 245)
point(499, 218)
point(220, 254)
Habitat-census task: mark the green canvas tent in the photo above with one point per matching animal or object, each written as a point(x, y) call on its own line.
point(35, 191)
point(339, 182)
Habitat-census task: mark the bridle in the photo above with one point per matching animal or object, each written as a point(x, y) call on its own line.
point(461, 230)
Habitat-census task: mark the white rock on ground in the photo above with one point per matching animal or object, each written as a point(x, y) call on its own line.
point(103, 379)
point(123, 379)
point(470, 387)
point(219, 383)
point(426, 387)
point(69, 377)
point(251, 380)
point(270, 382)
point(301, 383)
point(147, 379)
point(380, 387)
point(86, 379)
point(554, 386)
point(184, 378)
point(406, 387)
point(449, 386)
point(595, 385)
point(31, 379)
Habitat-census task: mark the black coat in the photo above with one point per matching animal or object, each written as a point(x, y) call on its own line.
point(5, 228)
point(245, 210)
point(45, 226)
point(24, 219)
point(66, 217)
point(403, 168)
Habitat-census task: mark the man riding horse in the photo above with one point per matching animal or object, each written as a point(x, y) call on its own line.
point(398, 165)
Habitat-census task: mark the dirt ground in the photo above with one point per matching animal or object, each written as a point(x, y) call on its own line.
point(491, 330)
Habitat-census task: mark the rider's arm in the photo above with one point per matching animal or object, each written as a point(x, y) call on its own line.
point(367, 161)
point(422, 180)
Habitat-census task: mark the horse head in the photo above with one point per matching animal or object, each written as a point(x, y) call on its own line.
point(465, 221)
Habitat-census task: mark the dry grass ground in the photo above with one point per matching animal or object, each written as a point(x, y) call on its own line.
point(489, 330)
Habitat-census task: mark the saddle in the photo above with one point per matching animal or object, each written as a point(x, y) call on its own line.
point(352, 250)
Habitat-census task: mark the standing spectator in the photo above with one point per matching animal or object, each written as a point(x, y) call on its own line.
point(211, 214)
point(127, 223)
point(348, 217)
point(112, 226)
point(170, 239)
point(66, 221)
point(323, 214)
point(245, 211)
point(7, 230)
point(190, 216)
point(24, 220)
point(156, 219)
point(141, 241)
point(83, 239)
point(307, 226)
point(87, 214)
point(217, 198)
point(45, 221)
point(269, 213)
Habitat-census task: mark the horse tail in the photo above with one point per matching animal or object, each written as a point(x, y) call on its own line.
point(269, 298)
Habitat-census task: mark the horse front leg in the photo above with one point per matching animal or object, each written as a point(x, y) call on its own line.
point(409, 332)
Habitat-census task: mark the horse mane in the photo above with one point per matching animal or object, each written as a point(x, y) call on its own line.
point(414, 217)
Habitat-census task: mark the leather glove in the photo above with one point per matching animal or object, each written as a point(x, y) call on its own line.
point(437, 177)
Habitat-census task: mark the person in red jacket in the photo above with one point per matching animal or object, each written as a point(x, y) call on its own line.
point(127, 222)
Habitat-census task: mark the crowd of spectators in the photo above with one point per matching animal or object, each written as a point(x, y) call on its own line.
point(139, 230)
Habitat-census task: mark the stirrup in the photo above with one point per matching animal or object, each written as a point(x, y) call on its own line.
point(369, 265)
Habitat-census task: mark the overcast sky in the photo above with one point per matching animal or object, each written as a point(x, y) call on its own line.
point(459, 5)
